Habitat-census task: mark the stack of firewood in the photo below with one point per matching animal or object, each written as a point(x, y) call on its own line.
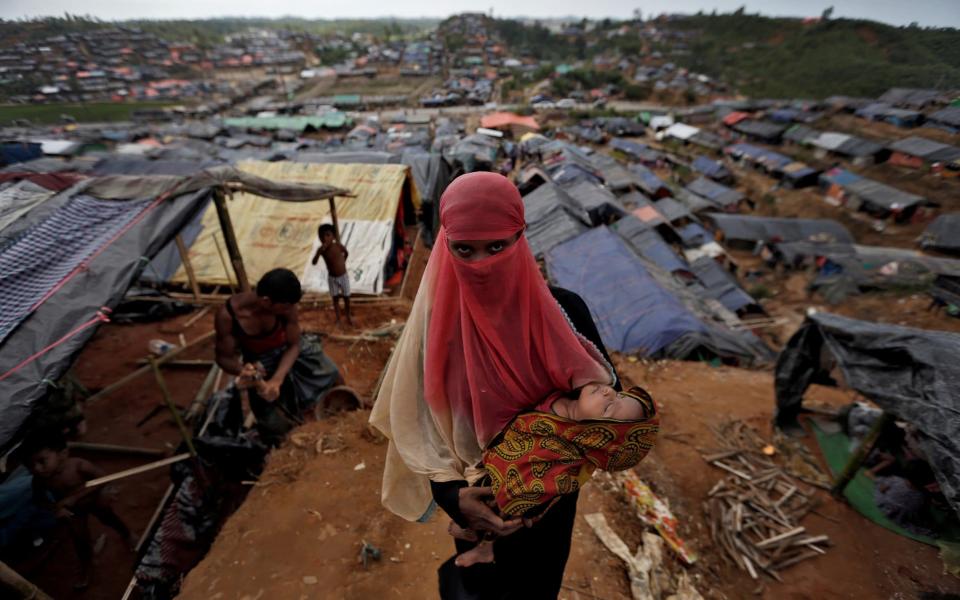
point(754, 512)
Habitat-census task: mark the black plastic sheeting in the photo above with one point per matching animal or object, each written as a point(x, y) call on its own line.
point(943, 233)
point(103, 283)
point(911, 373)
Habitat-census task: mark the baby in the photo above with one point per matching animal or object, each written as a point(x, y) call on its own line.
point(554, 450)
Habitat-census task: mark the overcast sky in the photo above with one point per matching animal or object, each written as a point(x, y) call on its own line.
point(942, 13)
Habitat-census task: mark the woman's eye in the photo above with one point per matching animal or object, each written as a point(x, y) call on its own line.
point(494, 248)
point(464, 250)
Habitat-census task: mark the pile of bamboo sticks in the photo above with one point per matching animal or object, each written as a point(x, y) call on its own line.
point(754, 512)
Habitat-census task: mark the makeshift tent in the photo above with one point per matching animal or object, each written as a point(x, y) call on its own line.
point(76, 256)
point(17, 152)
point(283, 234)
point(647, 243)
point(20, 193)
point(927, 151)
point(763, 131)
point(749, 228)
point(766, 159)
point(598, 202)
point(132, 165)
point(719, 195)
point(714, 169)
point(910, 373)
point(370, 157)
point(649, 183)
point(635, 309)
point(509, 121)
point(720, 284)
point(943, 233)
point(615, 176)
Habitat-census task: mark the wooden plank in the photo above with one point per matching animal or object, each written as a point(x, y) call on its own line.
point(137, 470)
point(781, 537)
point(174, 411)
point(148, 530)
point(731, 470)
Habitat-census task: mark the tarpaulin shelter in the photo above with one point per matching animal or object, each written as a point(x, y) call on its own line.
point(649, 183)
point(74, 258)
point(17, 152)
point(598, 202)
point(647, 243)
point(763, 131)
point(552, 218)
point(947, 119)
point(943, 233)
point(767, 160)
point(750, 228)
point(910, 373)
point(916, 151)
point(284, 234)
point(636, 151)
point(635, 310)
point(368, 157)
point(722, 197)
point(508, 121)
point(327, 120)
point(721, 285)
point(692, 202)
point(714, 169)
point(615, 176)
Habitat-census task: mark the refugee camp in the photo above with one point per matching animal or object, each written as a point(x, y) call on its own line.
point(654, 301)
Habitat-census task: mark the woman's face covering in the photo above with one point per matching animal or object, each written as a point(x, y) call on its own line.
point(474, 250)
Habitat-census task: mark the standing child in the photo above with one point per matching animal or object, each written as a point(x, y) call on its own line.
point(57, 474)
point(335, 257)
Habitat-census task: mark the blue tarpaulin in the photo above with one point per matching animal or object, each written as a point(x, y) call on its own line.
point(646, 242)
point(632, 311)
point(17, 152)
point(713, 169)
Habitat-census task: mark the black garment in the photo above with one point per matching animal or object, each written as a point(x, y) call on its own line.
point(530, 562)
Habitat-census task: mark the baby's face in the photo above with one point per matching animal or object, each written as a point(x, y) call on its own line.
point(598, 401)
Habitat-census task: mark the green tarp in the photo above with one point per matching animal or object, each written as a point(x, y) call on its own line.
point(859, 493)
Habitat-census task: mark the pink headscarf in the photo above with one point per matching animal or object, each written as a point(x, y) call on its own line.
point(497, 341)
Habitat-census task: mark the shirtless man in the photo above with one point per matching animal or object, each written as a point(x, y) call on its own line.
point(335, 258)
point(57, 474)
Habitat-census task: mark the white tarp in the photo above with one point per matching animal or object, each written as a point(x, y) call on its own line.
point(681, 131)
point(368, 243)
point(830, 140)
point(19, 199)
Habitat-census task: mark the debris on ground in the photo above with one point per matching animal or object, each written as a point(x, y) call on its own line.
point(754, 512)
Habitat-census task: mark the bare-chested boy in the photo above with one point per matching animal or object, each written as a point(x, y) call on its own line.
point(335, 257)
point(57, 473)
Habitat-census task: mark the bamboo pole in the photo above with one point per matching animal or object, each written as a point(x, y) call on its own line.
point(153, 519)
point(333, 217)
point(187, 265)
point(230, 239)
point(136, 470)
point(116, 449)
point(13, 581)
point(223, 261)
point(168, 400)
point(861, 454)
point(146, 369)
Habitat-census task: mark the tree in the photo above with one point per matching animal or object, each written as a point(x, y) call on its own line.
point(827, 14)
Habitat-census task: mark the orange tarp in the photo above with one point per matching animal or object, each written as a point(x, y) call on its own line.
point(508, 119)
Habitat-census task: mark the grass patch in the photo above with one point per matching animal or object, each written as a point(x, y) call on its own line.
point(86, 112)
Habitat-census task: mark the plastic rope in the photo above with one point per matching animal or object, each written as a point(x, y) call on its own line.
point(100, 317)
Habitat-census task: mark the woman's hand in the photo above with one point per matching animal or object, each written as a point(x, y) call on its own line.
point(479, 515)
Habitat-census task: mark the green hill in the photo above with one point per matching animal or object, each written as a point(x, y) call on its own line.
point(768, 57)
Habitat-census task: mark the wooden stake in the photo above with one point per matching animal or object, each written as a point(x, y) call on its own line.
point(146, 369)
point(230, 238)
point(203, 311)
point(168, 400)
point(13, 581)
point(187, 266)
point(137, 470)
